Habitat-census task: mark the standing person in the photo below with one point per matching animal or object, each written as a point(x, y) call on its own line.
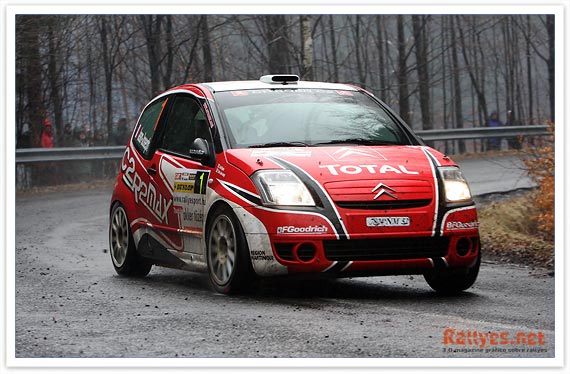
point(66, 139)
point(47, 135)
point(47, 171)
point(514, 142)
point(121, 134)
point(98, 139)
point(83, 169)
point(67, 169)
point(81, 137)
point(494, 121)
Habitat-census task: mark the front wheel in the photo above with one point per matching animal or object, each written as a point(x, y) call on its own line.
point(126, 260)
point(229, 264)
point(450, 282)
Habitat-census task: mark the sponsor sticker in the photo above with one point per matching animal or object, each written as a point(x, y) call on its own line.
point(302, 229)
point(187, 187)
point(189, 195)
point(387, 221)
point(462, 225)
point(144, 192)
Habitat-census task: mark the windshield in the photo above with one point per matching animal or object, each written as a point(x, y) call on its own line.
point(306, 117)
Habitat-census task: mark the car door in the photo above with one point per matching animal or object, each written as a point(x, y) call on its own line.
point(181, 172)
point(152, 199)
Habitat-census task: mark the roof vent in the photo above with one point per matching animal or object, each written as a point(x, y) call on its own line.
point(280, 79)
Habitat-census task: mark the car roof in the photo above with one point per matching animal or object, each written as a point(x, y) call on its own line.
point(259, 85)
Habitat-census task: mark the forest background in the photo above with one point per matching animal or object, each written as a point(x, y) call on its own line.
point(436, 71)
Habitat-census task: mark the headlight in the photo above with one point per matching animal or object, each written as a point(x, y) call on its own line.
point(282, 187)
point(456, 187)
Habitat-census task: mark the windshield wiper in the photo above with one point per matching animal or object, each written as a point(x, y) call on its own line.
point(279, 144)
point(358, 141)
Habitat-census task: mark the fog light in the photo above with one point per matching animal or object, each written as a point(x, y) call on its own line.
point(463, 246)
point(306, 252)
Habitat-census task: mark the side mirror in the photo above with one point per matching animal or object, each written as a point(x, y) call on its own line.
point(200, 150)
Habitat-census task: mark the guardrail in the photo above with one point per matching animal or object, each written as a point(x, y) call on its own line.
point(35, 155)
point(483, 133)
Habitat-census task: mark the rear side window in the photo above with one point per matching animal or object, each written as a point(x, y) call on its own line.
point(147, 125)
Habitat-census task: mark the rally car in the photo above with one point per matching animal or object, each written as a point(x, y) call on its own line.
point(280, 177)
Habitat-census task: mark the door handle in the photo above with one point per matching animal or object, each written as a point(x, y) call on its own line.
point(151, 171)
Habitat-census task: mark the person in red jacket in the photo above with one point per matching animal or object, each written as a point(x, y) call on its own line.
point(47, 135)
point(48, 171)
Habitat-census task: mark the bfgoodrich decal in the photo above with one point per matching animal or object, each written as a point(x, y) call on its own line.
point(302, 230)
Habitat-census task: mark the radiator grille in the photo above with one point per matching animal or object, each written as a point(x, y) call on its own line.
point(385, 249)
point(384, 205)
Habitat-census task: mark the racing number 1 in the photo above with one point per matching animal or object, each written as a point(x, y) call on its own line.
point(200, 175)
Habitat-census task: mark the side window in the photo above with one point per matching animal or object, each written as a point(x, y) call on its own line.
point(147, 125)
point(185, 123)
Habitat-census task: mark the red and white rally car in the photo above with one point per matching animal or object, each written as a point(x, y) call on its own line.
point(280, 176)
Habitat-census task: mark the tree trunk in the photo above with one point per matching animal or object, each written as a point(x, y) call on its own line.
point(457, 102)
point(307, 48)
point(419, 25)
point(53, 75)
point(152, 29)
point(108, 69)
point(403, 72)
point(530, 90)
point(550, 63)
point(33, 77)
point(206, 51)
point(333, 49)
point(170, 50)
point(277, 44)
point(381, 59)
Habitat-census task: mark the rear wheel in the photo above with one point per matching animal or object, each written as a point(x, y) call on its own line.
point(452, 281)
point(126, 260)
point(229, 264)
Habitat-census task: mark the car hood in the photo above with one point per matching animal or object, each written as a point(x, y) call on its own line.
point(391, 176)
point(338, 164)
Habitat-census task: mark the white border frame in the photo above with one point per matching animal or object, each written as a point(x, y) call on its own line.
point(10, 8)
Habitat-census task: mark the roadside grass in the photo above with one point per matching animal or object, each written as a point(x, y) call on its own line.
point(509, 234)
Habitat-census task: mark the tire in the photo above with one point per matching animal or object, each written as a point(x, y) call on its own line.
point(227, 253)
point(124, 256)
point(452, 282)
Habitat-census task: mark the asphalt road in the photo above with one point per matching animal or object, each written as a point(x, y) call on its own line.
point(495, 175)
point(70, 303)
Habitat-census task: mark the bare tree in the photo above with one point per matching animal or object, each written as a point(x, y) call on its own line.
point(29, 52)
point(276, 39)
point(403, 72)
point(307, 72)
point(457, 102)
point(419, 24)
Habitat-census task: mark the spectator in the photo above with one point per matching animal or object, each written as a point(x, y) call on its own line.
point(494, 143)
point(82, 137)
point(514, 142)
point(121, 134)
point(25, 137)
point(98, 139)
point(47, 135)
point(66, 139)
point(82, 168)
point(47, 171)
